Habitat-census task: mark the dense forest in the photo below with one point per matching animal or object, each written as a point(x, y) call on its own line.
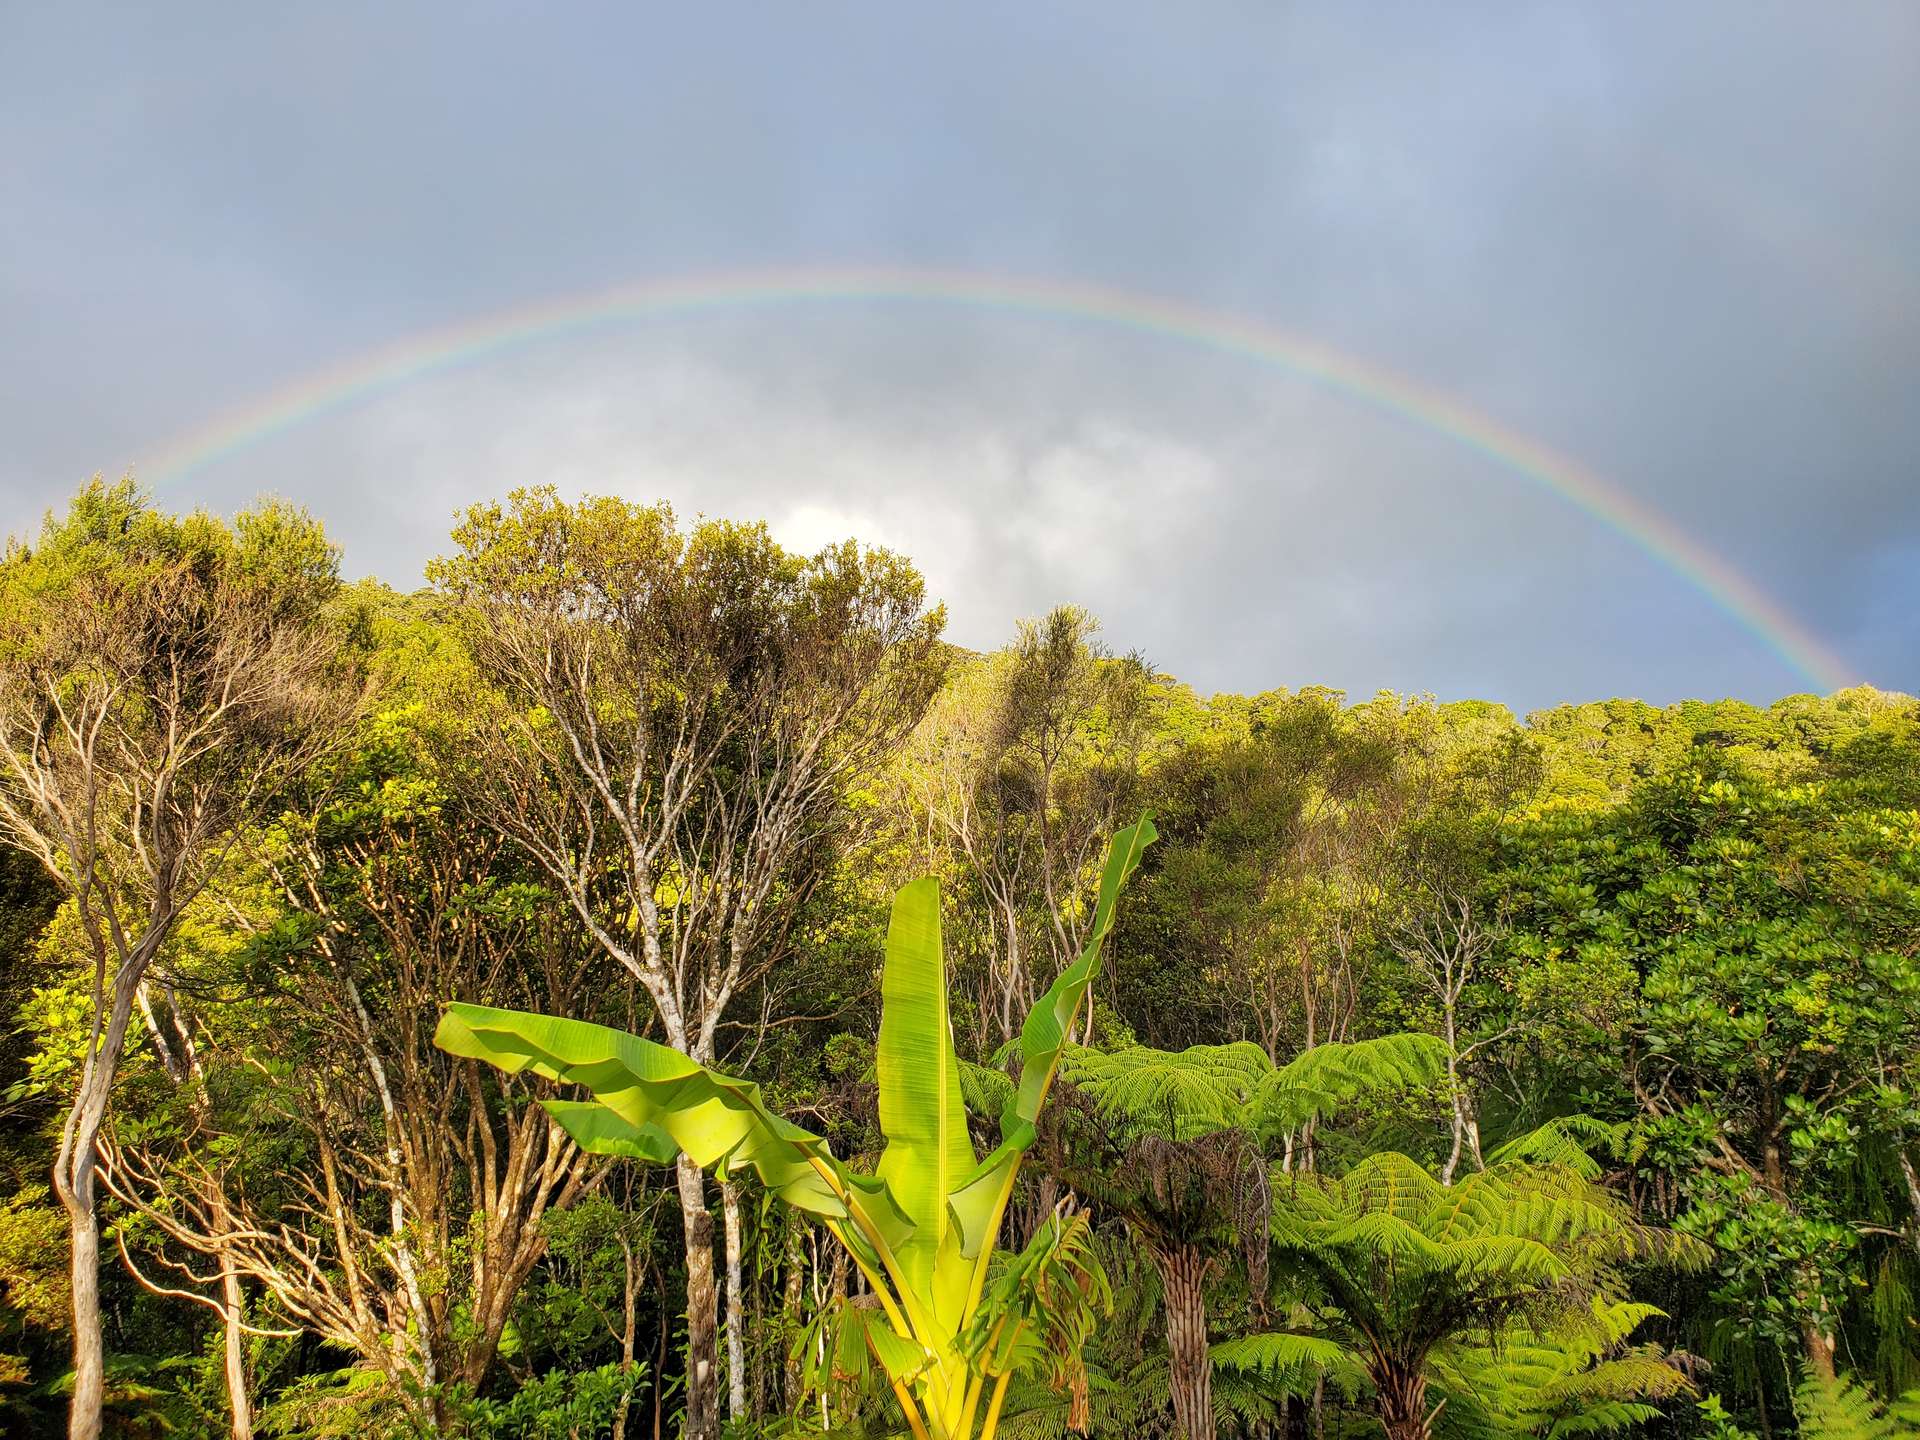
point(936, 1043)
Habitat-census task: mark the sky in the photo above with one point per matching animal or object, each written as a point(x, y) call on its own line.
point(1677, 246)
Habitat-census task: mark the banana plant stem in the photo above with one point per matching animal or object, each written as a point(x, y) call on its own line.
point(992, 1424)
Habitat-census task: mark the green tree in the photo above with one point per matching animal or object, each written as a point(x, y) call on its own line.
point(161, 678)
point(423, 1183)
point(680, 718)
point(1021, 770)
point(1405, 1275)
point(1757, 940)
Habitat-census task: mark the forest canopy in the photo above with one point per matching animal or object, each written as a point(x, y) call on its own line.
point(856, 1035)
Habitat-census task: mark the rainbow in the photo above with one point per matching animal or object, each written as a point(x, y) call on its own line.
point(1363, 382)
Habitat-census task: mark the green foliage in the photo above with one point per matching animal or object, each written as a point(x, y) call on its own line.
point(1842, 1409)
point(1695, 1010)
point(923, 1228)
point(1754, 939)
point(563, 1405)
point(1578, 1377)
point(1501, 1289)
point(33, 1280)
point(1185, 1094)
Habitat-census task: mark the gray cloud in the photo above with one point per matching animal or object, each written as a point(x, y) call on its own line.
point(1676, 242)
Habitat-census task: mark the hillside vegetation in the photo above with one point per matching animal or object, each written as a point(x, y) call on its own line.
point(1412, 1066)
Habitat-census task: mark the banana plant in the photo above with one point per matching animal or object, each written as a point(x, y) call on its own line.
point(949, 1332)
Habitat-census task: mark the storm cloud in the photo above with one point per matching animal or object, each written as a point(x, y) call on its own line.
point(1680, 244)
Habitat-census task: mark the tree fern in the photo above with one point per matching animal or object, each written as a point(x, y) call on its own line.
point(985, 1090)
point(1292, 1362)
point(1174, 1142)
point(1327, 1077)
point(1182, 1094)
point(1176, 1094)
point(1502, 1289)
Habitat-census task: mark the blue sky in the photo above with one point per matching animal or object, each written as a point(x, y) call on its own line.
point(1680, 244)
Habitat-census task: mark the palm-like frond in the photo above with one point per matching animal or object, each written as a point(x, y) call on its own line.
point(986, 1091)
point(1567, 1143)
point(1845, 1410)
point(1174, 1094)
point(1421, 1269)
point(1575, 1380)
point(1292, 1362)
point(1322, 1080)
point(1523, 1207)
point(1185, 1094)
point(1043, 1305)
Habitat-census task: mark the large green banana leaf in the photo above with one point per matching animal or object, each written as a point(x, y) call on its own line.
point(922, 1226)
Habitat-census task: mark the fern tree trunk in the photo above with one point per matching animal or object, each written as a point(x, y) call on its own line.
point(1400, 1396)
point(1183, 1272)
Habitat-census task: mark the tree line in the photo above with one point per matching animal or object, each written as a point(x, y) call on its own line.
point(649, 981)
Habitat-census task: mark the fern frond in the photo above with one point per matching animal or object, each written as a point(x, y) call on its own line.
point(1392, 1183)
point(1567, 1142)
point(1381, 1232)
point(1511, 1258)
point(1843, 1409)
point(1607, 1416)
point(1291, 1360)
point(1175, 1094)
point(984, 1090)
point(1322, 1080)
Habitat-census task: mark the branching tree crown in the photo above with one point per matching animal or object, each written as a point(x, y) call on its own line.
point(161, 679)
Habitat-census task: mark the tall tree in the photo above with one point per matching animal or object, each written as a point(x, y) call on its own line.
point(377, 1193)
point(683, 715)
point(161, 679)
point(1284, 814)
point(1021, 771)
point(1759, 941)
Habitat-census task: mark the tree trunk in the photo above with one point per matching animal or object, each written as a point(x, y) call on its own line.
point(1466, 1136)
point(233, 1302)
point(1046, 1196)
point(1183, 1272)
point(736, 1311)
point(75, 1182)
point(629, 1330)
point(790, 1303)
point(89, 1341)
point(1401, 1398)
point(183, 1066)
point(1820, 1347)
point(1912, 1175)
point(1818, 1339)
point(1466, 1119)
point(660, 1377)
point(703, 1355)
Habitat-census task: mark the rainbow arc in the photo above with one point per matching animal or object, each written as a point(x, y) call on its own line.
point(1359, 381)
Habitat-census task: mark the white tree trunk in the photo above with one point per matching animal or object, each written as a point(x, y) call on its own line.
point(232, 1312)
point(736, 1310)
